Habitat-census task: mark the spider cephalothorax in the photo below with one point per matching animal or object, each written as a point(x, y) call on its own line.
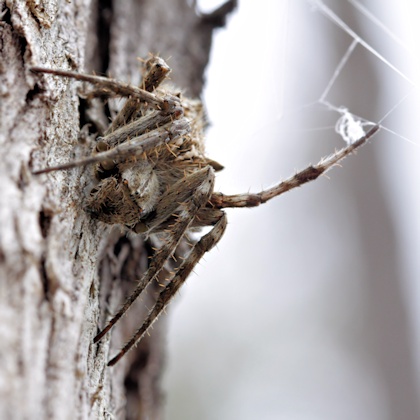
point(151, 175)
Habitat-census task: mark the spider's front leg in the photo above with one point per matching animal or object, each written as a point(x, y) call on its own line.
point(110, 86)
point(205, 244)
point(221, 201)
point(156, 72)
point(135, 119)
point(132, 148)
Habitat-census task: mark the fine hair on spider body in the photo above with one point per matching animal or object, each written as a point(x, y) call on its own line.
point(151, 176)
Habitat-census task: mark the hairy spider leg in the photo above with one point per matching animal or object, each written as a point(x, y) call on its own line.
point(157, 71)
point(205, 244)
point(131, 148)
point(164, 102)
point(186, 211)
point(220, 201)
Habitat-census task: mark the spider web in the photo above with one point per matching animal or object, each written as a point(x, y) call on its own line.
point(397, 67)
point(350, 126)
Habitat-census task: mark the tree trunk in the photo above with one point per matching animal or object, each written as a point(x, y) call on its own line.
point(63, 273)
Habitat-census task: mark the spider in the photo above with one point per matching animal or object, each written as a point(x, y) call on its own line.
point(151, 175)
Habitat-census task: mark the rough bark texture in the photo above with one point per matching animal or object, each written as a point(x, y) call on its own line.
point(62, 273)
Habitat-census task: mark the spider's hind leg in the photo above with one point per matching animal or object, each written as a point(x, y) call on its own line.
point(205, 244)
point(184, 204)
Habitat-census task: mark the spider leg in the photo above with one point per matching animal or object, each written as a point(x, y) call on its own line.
point(165, 102)
point(205, 244)
point(131, 148)
point(186, 213)
point(205, 217)
point(140, 126)
point(220, 201)
point(179, 192)
point(157, 71)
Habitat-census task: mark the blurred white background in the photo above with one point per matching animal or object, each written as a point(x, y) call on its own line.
point(309, 306)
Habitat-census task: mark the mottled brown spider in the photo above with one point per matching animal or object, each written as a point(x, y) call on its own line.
point(152, 176)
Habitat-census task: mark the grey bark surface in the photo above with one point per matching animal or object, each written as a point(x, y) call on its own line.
point(61, 272)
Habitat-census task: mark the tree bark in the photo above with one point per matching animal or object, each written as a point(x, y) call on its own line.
point(63, 273)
